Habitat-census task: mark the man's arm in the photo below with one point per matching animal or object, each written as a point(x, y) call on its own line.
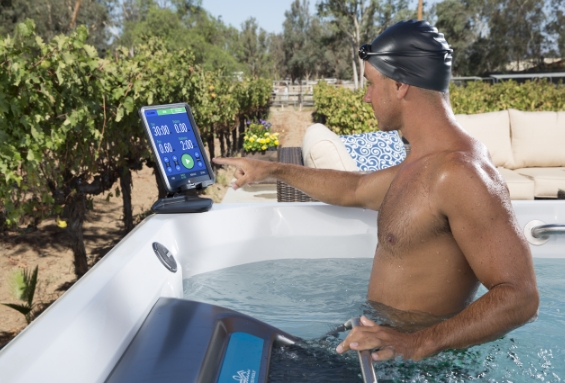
point(475, 201)
point(331, 186)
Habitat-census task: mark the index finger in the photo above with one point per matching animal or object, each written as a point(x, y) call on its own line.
point(225, 161)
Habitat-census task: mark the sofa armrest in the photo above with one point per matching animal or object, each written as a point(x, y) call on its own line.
point(285, 192)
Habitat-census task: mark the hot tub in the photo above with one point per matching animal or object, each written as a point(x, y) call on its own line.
point(83, 335)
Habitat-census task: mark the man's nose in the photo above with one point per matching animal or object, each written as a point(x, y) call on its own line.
point(367, 97)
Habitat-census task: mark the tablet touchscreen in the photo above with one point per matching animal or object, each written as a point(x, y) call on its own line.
point(177, 146)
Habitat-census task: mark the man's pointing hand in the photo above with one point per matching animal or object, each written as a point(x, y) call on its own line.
point(247, 170)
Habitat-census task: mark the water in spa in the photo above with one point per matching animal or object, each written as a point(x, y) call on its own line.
point(308, 298)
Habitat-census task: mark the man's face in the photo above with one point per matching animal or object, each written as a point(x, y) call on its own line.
point(380, 94)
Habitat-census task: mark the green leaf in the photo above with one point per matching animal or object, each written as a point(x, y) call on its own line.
point(26, 28)
point(31, 285)
point(120, 114)
point(68, 58)
point(128, 104)
point(17, 284)
point(90, 51)
point(59, 73)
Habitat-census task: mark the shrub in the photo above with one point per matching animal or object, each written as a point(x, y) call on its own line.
point(530, 96)
point(69, 126)
point(344, 111)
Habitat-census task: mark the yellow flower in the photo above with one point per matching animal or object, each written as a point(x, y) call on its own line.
point(266, 134)
point(268, 140)
point(264, 147)
point(251, 139)
point(261, 140)
point(277, 134)
point(277, 142)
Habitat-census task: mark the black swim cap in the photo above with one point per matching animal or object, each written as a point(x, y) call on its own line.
point(411, 52)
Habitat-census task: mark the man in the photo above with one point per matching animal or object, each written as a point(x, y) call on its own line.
point(445, 221)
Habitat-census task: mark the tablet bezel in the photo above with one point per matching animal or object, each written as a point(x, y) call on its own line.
point(181, 185)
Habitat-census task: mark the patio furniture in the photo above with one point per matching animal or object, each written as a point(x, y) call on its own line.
point(323, 149)
point(526, 147)
point(285, 192)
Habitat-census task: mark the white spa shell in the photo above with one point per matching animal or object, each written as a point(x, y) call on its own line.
point(83, 334)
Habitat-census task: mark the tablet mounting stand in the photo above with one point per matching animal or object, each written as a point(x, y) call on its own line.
point(183, 201)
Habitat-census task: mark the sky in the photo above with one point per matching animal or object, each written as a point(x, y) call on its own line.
point(269, 13)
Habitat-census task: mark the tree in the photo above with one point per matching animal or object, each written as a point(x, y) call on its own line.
point(488, 35)
point(461, 24)
point(555, 27)
point(254, 48)
point(516, 28)
point(275, 43)
point(301, 41)
point(360, 21)
point(181, 24)
point(53, 17)
point(354, 19)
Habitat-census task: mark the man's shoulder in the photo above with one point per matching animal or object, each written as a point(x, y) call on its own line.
point(468, 173)
point(471, 157)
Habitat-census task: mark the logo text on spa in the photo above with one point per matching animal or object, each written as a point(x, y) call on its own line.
point(245, 376)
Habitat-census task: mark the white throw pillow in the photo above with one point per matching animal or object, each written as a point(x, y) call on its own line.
point(493, 130)
point(538, 138)
point(323, 149)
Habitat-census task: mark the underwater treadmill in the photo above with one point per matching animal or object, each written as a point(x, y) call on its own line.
point(187, 341)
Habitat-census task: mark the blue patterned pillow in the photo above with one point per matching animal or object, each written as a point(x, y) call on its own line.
point(376, 150)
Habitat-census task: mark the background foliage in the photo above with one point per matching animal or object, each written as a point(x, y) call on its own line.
point(344, 111)
point(487, 35)
point(69, 126)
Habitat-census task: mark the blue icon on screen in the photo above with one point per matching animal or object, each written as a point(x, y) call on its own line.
point(166, 159)
point(199, 164)
point(175, 158)
point(197, 155)
point(177, 167)
point(169, 169)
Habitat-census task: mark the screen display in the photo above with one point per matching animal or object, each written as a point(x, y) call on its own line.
point(177, 146)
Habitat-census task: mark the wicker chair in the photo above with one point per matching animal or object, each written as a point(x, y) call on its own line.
point(285, 192)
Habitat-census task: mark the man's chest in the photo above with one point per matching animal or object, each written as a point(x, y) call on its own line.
point(408, 217)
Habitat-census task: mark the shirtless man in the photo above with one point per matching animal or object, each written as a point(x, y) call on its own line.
point(445, 221)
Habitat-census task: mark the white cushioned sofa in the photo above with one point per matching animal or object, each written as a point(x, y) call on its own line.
point(528, 149)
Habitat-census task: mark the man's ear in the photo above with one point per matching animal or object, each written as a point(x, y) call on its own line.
point(401, 90)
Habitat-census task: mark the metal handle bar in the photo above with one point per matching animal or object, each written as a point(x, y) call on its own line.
point(365, 360)
point(544, 231)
